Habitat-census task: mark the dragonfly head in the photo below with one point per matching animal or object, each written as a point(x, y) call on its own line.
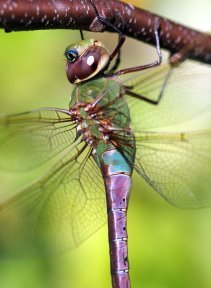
point(85, 60)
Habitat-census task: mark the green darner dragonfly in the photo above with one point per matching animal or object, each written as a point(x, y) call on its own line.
point(96, 144)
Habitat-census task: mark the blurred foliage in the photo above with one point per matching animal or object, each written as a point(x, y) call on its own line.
point(168, 247)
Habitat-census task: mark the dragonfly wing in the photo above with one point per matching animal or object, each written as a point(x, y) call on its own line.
point(185, 96)
point(177, 166)
point(59, 211)
point(46, 132)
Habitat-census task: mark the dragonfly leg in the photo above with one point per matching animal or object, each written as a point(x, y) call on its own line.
point(122, 37)
point(82, 34)
point(180, 56)
point(150, 65)
point(146, 99)
point(174, 60)
point(117, 62)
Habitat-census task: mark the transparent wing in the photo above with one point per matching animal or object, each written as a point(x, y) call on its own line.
point(185, 96)
point(177, 166)
point(59, 211)
point(30, 139)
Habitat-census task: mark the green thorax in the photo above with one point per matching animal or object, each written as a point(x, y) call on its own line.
point(107, 119)
point(111, 103)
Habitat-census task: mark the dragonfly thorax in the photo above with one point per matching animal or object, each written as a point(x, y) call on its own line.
point(85, 60)
point(102, 115)
point(89, 126)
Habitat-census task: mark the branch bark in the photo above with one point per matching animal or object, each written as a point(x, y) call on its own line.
point(22, 15)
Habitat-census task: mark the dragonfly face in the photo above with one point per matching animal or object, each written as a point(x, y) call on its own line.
point(85, 60)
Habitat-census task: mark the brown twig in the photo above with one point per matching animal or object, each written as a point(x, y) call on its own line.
point(21, 15)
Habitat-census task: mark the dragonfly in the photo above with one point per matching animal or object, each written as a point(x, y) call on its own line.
point(94, 146)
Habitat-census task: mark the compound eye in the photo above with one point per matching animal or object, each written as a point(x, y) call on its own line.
point(71, 55)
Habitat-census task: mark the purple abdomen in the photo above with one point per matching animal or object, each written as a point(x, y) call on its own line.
point(117, 179)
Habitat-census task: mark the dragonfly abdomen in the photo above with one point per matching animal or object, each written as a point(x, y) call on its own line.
point(117, 178)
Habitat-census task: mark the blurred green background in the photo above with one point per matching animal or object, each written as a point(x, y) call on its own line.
point(168, 247)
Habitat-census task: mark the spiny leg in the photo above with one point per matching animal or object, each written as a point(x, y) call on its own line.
point(174, 60)
point(116, 63)
point(150, 65)
point(146, 99)
point(122, 38)
point(104, 21)
point(180, 56)
point(82, 34)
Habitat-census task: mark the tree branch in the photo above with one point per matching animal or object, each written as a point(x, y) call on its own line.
point(22, 15)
